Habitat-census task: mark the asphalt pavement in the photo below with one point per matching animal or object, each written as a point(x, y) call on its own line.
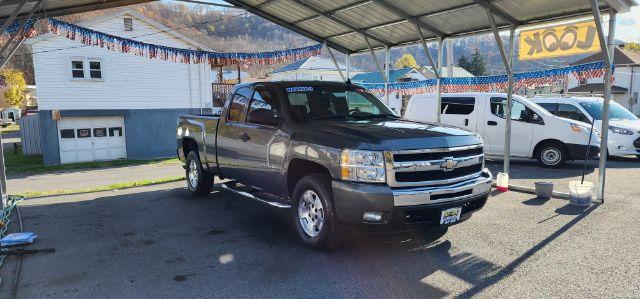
point(160, 242)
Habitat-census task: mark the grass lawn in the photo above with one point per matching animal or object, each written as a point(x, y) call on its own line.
point(10, 128)
point(19, 164)
point(117, 186)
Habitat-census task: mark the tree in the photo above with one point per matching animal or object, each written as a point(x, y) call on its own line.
point(477, 66)
point(464, 63)
point(406, 60)
point(16, 86)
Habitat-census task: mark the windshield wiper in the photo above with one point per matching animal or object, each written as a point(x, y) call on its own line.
point(391, 116)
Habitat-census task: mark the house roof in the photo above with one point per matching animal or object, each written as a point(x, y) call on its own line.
point(597, 88)
point(313, 63)
point(457, 72)
point(376, 77)
point(137, 15)
point(621, 56)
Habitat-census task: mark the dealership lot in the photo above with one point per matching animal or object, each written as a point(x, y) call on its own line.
point(161, 242)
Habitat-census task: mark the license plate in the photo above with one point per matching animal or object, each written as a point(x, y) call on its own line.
point(450, 215)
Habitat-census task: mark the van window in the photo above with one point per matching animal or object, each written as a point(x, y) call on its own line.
point(571, 112)
point(519, 111)
point(551, 107)
point(457, 105)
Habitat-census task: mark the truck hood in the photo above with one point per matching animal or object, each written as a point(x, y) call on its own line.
point(384, 134)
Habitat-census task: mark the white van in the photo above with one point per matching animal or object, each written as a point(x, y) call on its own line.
point(535, 133)
point(624, 126)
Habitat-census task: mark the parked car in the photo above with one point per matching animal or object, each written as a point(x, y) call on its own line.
point(535, 133)
point(624, 126)
point(336, 156)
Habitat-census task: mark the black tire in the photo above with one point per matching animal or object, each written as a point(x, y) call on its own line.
point(328, 234)
point(552, 155)
point(199, 181)
point(638, 156)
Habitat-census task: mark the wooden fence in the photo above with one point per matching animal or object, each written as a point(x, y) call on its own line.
point(30, 134)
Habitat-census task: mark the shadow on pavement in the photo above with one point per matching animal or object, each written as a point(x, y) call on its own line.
point(168, 243)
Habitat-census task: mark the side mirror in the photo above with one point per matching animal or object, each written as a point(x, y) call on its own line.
point(263, 117)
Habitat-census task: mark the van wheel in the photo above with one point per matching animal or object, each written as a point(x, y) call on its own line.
point(314, 215)
point(199, 181)
point(552, 155)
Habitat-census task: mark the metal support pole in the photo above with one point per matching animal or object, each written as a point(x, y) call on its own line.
point(608, 48)
point(439, 78)
point(427, 53)
point(506, 60)
point(386, 74)
point(450, 58)
point(375, 59)
point(348, 65)
point(335, 63)
point(13, 15)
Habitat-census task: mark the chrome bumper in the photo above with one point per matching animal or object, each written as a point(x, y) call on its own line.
point(461, 190)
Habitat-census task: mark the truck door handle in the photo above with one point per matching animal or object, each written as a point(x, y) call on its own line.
point(244, 137)
point(492, 123)
point(466, 122)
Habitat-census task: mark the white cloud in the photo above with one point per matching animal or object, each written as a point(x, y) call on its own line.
point(627, 26)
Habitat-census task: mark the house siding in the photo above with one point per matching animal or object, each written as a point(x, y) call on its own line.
point(149, 133)
point(148, 93)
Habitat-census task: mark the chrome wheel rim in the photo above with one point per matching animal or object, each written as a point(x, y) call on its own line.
point(310, 213)
point(551, 156)
point(193, 174)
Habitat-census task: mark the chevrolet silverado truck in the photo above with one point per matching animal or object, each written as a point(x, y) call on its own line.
point(336, 156)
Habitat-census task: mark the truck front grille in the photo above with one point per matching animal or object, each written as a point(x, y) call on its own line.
point(426, 167)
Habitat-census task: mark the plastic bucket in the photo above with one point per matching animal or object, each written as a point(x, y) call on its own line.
point(544, 190)
point(580, 194)
point(502, 182)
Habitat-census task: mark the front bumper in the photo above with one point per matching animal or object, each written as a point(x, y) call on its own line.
point(408, 208)
point(579, 151)
point(623, 145)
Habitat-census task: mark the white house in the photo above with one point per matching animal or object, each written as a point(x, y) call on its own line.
point(313, 68)
point(97, 104)
point(626, 86)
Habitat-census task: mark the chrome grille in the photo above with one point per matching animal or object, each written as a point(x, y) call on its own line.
point(439, 166)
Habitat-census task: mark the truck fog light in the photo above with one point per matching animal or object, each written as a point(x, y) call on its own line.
point(372, 216)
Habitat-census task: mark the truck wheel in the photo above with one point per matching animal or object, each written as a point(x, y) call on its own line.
point(314, 214)
point(552, 155)
point(199, 181)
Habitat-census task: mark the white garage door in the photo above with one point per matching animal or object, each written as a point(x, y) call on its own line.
point(85, 139)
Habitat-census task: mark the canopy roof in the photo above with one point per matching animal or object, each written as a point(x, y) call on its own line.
point(347, 24)
point(54, 8)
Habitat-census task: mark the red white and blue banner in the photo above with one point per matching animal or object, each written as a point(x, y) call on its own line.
point(115, 43)
point(492, 83)
point(14, 27)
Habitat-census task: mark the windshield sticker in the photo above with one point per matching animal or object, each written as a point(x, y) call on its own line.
point(299, 89)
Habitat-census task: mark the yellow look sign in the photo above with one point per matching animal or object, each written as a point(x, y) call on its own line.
point(564, 40)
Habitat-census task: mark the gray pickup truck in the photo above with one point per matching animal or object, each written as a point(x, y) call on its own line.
point(336, 156)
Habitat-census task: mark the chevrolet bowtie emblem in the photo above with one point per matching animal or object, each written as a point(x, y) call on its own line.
point(449, 164)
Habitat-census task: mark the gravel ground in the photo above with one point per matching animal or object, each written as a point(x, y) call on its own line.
point(158, 241)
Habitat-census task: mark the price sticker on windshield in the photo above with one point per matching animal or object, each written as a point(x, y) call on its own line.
point(299, 89)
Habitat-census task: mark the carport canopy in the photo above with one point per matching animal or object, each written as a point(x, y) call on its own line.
point(345, 25)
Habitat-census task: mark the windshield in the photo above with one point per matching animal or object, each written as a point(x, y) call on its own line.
point(335, 102)
point(616, 111)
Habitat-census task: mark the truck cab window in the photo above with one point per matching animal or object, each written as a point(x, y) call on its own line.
point(237, 107)
point(262, 106)
point(457, 105)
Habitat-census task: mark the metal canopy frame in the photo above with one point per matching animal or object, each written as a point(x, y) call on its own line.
point(498, 17)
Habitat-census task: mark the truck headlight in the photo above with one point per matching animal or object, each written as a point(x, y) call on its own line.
point(362, 166)
point(619, 130)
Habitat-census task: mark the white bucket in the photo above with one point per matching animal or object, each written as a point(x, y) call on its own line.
point(580, 194)
point(502, 182)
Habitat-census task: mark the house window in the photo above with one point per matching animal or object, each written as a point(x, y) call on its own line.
point(635, 98)
point(128, 24)
point(86, 69)
point(94, 70)
point(77, 69)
